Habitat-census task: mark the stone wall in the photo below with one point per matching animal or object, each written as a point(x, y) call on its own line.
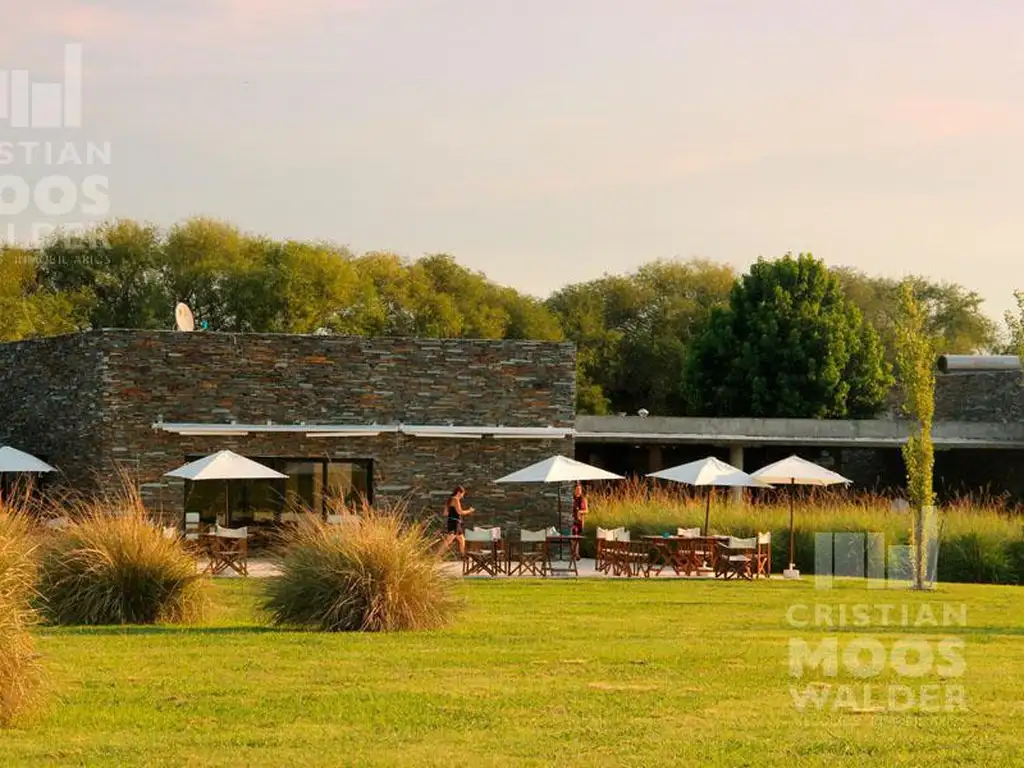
point(991, 397)
point(51, 403)
point(135, 378)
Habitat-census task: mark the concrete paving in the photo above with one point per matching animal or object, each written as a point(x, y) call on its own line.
point(261, 569)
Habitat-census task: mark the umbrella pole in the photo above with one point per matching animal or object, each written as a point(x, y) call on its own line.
point(707, 512)
point(791, 547)
point(227, 507)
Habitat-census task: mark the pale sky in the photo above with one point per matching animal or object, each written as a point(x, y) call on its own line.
point(550, 141)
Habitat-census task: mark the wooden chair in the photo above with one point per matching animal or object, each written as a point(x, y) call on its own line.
point(736, 558)
point(763, 556)
point(231, 550)
point(532, 555)
point(604, 535)
point(483, 553)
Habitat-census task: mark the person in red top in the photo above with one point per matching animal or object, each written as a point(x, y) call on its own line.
point(579, 514)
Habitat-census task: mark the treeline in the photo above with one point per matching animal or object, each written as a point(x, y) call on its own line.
point(645, 339)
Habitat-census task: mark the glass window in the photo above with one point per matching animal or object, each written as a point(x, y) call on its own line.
point(312, 484)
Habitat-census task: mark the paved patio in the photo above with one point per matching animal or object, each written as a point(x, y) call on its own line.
point(261, 569)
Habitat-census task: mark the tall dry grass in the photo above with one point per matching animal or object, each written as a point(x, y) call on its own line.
point(979, 542)
point(382, 574)
point(112, 565)
point(21, 672)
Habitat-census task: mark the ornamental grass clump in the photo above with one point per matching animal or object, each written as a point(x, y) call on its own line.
point(21, 673)
point(112, 565)
point(380, 574)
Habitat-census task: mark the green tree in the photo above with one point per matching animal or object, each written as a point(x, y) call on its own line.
point(27, 308)
point(115, 267)
point(789, 344)
point(953, 315)
point(632, 332)
point(1015, 329)
point(915, 365)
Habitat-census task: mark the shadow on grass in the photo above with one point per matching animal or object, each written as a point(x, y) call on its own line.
point(253, 629)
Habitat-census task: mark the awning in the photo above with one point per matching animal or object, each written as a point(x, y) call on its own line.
point(366, 430)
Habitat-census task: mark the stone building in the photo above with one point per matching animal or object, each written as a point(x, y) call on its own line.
point(394, 421)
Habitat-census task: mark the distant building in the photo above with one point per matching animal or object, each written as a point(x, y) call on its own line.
point(388, 420)
point(405, 420)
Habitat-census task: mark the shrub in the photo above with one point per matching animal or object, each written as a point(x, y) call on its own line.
point(381, 575)
point(20, 670)
point(112, 565)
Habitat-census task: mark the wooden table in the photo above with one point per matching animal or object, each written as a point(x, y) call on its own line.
point(573, 559)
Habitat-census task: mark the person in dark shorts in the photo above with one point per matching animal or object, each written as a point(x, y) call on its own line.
point(579, 514)
point(453, 519)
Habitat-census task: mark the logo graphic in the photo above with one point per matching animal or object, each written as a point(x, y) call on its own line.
point(870, 656)
point(44, 105)
point(38, 121)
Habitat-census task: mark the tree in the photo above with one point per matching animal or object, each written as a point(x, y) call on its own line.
point(28, 309)
point(1015, 329)
point(632, 332)
point(788, 345)
point(915, 364)
point(115, 267)
point(952, 314)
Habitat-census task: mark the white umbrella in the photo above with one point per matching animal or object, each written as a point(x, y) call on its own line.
point(558, 469)
point(225, 465)
point(14, 461)
point(796, 471)
point(709, 472)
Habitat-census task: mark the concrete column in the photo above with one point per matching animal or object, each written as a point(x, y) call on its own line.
point(736, 459)
point(654, 459)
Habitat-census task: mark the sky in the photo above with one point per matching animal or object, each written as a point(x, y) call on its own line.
point(551, 141)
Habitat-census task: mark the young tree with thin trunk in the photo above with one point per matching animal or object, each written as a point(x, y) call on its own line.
point(915, 366)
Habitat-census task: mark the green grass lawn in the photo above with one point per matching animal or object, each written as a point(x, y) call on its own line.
point(587, 672)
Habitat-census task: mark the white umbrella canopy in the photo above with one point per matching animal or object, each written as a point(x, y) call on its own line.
point(796, 471)
point(709, 472)
point(225, 465)
point(558, 469)
point(14, 461)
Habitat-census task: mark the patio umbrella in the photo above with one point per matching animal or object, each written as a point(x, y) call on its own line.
point(225, 465)
point(15, 462)
point(558, 469)
point(709, 472)
point(796, 471)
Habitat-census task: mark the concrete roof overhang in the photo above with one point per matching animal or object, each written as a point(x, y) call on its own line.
point(873, 433)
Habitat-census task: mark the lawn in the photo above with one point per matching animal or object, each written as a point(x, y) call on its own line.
point(588, 672)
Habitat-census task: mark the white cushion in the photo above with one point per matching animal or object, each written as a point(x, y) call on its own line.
point(526, 535)
point(192, 517)
point(764, 538)
point(607, 534)
point(478, 534)
point(621, 534)
point(689, 533)
point(495, 532)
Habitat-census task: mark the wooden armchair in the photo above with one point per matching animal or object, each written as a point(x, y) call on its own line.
point(735, 558)
point(231, 550)
point(532, 554)
point(604, 535)
point(483, 552)
point(763, 556)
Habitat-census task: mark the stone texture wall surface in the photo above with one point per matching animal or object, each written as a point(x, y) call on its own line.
point(991, 397)
point(51, 403)
point(113, 385)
